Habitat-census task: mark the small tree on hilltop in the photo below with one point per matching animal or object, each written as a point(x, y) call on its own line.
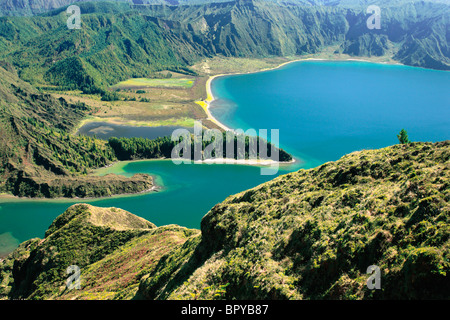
point(403, 137)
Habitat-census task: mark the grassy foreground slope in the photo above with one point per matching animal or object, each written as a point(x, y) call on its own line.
point(112, 247)
point(310, 234)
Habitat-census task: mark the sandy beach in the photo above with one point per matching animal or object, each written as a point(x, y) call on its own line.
point(253, 162)
point(205, 104)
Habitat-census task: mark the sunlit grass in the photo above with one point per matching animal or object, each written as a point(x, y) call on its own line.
point(165, 83)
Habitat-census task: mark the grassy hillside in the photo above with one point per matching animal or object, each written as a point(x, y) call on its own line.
point(110, 47)
point(112, 247)
point(310, 234)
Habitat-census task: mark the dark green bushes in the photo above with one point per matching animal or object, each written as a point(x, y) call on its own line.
point(141, 148)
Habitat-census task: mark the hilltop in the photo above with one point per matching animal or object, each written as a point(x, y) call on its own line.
point(310, 234)
point(112, 247)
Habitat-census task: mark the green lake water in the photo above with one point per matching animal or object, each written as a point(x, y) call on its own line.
point(103, 130)
point(322, 110)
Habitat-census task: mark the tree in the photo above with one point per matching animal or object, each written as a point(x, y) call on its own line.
point(403, 137)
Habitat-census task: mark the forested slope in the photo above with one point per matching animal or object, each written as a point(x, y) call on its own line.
point(118, 41)
point(39, 157)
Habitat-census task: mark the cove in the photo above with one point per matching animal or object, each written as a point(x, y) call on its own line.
point(326, 109)
point(323, 110)
point(188, 193)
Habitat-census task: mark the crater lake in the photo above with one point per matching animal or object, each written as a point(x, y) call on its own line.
point(322, 109)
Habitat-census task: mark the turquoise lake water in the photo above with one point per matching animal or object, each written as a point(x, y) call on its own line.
point(322, 110)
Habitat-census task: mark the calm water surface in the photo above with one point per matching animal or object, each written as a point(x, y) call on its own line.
point(323, 111)
point(103, 130)
point(327, 109)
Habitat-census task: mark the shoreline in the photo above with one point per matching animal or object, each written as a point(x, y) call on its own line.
point(132, 123)
point(241, 161)
point(206, 103)
point(246, 162)
point(249, 162)
point(7, 198)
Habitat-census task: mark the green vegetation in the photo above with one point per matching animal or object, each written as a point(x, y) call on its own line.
point(110, 96)
point(312, 234)
point(141, 148)
point(38, 155)
point(145, 83)
point(403, 137)
point(30, 7)
point(119, 42)
point(111, 47)
point(306, 235)
point(112, 247)
point(309, 234)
